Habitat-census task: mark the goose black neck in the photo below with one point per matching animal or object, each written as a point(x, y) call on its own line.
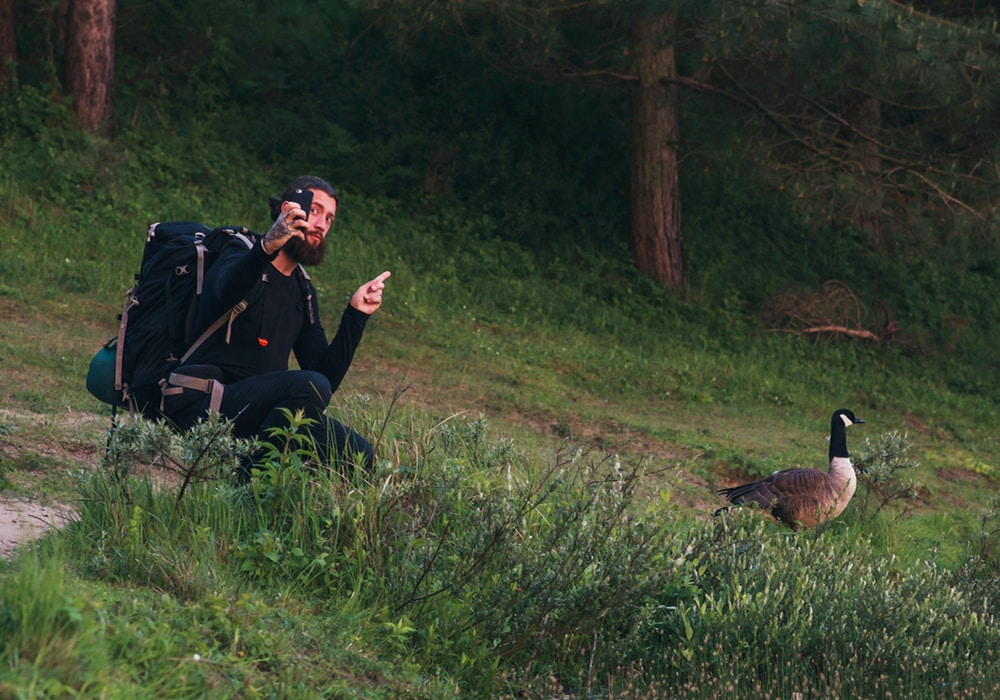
point(838, 437)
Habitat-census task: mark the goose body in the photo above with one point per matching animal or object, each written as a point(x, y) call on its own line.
point(806, 497)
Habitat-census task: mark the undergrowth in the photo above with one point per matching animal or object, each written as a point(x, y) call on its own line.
point(778, 615)
point(464, 560)
point(465, 564)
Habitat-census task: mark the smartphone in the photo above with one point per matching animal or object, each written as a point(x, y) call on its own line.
point(304, 198)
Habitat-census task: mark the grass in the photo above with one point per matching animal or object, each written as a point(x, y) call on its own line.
point(499, 383)
point(744, 418)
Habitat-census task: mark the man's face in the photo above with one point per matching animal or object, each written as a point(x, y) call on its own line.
point(311, 250)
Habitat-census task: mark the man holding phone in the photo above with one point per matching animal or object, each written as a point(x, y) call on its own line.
point(249, 355)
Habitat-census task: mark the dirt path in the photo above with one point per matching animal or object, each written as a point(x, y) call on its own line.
point(23, 521)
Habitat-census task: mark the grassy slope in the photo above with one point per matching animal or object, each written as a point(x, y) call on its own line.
point(546, 353)
point(516, 376)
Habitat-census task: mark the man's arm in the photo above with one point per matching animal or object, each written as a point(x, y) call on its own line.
point(334, 359)
point(231, 278)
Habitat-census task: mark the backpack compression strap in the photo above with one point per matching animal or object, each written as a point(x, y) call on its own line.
point(131, 300)
point(119, 348)
point(177, 382)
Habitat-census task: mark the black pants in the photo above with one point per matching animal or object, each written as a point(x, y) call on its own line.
point(255, 406)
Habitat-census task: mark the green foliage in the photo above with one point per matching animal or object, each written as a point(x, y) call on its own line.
point(880, 465)
point(472, 559)
point(300, 513)
point(774, 615)
point(989, 537)
point(733, 223)
point(141, 534)
point(513, 568)
point(205, 452)
point(51, 635)
point(468, 558)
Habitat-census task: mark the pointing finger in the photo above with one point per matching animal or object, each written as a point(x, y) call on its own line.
point(377, 284)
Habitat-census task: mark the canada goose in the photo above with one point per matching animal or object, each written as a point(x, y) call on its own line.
point(806, 497)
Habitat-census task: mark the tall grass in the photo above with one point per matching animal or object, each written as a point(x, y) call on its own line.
point(52, 639)
point(463, 553)
point(498, 572)
point(829, 616)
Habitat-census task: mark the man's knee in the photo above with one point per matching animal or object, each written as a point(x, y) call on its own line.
point(311, 388)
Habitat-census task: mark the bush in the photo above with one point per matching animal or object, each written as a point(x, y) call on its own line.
point(475, 558)
point(779, 615)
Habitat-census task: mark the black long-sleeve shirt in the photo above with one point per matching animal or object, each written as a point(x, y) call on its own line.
point(281, 317)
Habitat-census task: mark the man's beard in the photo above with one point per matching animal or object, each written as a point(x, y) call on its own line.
point(305, 253)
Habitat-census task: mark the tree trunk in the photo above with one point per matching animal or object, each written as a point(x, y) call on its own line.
point(90, 62)
point(8, 43)
point(655, 235)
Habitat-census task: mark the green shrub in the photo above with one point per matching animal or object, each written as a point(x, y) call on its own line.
point(776, 615)
point(474, 558)
point(881, 465)
point(51, 635)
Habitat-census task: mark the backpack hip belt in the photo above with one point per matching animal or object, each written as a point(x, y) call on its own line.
point(177, 382)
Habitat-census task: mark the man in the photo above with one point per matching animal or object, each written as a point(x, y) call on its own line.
point(249, 355)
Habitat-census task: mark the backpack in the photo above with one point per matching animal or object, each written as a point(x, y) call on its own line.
point(156, 327)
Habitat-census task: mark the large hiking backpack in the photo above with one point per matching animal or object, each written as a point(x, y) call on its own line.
point(156, 329)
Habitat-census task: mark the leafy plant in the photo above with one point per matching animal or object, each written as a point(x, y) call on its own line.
point(882, 467)
point(775, 615)
point(205, 452)
point(989, 534)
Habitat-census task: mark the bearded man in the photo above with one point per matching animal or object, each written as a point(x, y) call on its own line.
point(246, 359)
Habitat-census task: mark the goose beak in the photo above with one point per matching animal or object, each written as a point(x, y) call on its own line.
point(858, 420)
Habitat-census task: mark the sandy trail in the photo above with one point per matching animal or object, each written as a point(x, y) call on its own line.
point(23, 521)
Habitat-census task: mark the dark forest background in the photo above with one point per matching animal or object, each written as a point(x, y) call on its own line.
point(793, 144)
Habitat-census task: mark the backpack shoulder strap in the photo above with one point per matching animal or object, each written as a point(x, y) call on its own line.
point(247, 238)
point(309, 294)
point(216, 325)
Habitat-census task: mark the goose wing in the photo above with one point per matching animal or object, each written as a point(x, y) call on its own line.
point(792, 495)
point(797, 497)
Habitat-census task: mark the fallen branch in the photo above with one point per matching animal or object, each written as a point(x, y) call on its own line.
point(834, 310)
point(853, 332)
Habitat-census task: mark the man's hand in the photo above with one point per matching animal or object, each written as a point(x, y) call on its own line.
point(289, 224)
point(369, 295)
